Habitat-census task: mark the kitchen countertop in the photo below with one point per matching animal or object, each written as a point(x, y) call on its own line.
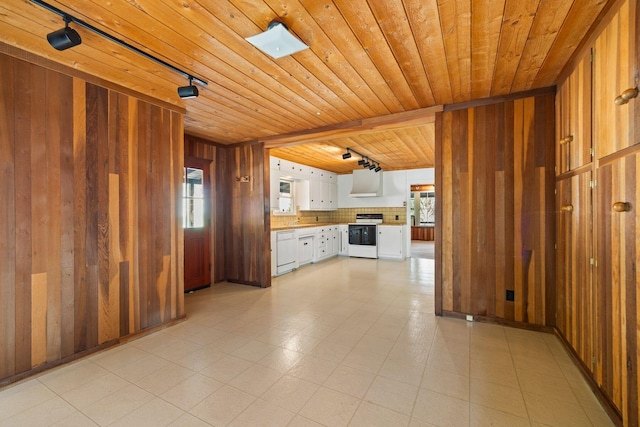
point(294, 227)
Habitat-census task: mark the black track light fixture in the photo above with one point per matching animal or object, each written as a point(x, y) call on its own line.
point(188, 92)
point(364, 161)
point(68, 37)
point(64, 38)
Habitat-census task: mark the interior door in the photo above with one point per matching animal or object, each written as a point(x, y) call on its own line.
point(196, 223)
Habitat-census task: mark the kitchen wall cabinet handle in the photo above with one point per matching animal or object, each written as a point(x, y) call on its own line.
point(626, 96)
point(567, 208)
point(566, 140)
point(621, 207)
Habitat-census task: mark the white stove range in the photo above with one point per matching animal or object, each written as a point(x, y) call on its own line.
point(363, 236)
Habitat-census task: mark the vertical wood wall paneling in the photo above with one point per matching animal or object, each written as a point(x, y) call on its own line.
point(73, 235)
point(155, 217)
point(504, 184)
point(499, 211)
point(223, 208)
point(177, 237)
point(58, 128)
point(441, 157)
point(265, 269)
point(545, 138)
point(80, 212)
point(17, 296)
point(134, 213)
point(120, 166)
point(246, 217)
point(7, 218)
point(143, 251)
point(95, 97)
point(67, 250)
point(105, 296)
point(30, 253)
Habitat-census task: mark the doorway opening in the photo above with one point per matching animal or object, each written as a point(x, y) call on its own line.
point(422, 210)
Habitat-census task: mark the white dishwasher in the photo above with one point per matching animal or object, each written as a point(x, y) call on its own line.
point(286, 251)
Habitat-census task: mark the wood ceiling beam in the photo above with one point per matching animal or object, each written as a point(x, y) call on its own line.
point(412, 118)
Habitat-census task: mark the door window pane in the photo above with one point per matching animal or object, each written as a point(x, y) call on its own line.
point(193, 205)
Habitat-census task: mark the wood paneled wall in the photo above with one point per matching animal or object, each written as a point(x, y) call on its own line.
point(90, 230)
point(495, 216)
point(246, 212)
point(202, 149)
point(241, 219)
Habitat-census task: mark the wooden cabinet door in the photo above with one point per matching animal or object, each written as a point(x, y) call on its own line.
point(574, 285)
point(618, 261)
point(573, 119)
point(615, 70)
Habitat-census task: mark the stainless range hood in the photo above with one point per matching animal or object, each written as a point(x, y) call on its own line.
point(366, 183)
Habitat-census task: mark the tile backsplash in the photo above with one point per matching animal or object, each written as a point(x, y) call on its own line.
point(340, 216)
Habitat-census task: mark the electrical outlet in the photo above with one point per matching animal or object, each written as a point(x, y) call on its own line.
point(511, 295)
point(397, 217)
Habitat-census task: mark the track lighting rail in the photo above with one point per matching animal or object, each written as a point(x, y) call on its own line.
point(70, 18)
point(365, 161)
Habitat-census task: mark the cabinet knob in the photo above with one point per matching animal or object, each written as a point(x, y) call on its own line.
point(621, 207)
point(566, 140)
point(567, 208)
point(626, 96)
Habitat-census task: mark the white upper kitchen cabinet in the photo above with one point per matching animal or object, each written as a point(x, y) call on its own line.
point(315, 189)
point(274, 191)
point(391, 241)
point(274, 163)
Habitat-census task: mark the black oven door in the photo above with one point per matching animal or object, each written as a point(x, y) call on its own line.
point(362, 234)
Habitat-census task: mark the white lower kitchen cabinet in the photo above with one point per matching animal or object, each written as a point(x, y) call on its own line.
point(274, 254)
point(391, 241)
point(305, 250)
point(333, 241)
point(321, 244)
point(312, 244)
point(343, 240)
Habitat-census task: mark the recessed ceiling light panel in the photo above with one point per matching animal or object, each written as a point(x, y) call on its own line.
point(277, 41)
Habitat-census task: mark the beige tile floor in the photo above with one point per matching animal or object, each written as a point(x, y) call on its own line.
point(344, 342)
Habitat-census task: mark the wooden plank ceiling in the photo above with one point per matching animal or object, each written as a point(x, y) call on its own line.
point(367, 58)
